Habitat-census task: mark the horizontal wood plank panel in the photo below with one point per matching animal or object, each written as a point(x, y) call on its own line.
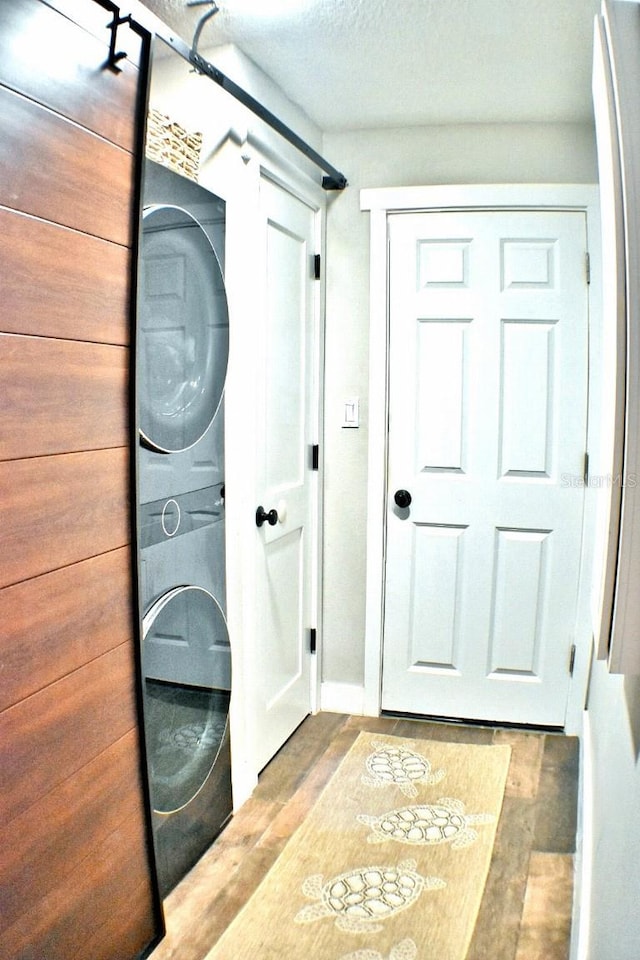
point(65, 174)
point(66, 827)
point(95, 19)
point(55, 511)
point(127, 921)
point(53, 624)
point(56, 282)
point(52, 60)
point(62, 396)
point(76, 874)
point(104, 911)
point(48, 737)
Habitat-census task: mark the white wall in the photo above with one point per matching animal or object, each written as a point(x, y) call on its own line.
point(612, 785)
point(614, 799)
point(523, 153)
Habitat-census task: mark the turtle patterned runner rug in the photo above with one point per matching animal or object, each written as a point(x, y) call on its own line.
point(390, 863)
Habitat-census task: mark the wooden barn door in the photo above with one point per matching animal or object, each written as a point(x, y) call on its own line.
point(75, 870)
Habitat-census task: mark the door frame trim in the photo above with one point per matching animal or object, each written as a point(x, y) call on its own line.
point(380, 203)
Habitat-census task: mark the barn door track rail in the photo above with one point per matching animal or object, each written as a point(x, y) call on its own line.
point(332, 179)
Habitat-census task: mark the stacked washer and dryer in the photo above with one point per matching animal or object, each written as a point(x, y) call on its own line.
point(182, 350)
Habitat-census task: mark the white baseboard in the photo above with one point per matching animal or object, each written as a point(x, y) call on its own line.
point(342, 698)
point(584, 850)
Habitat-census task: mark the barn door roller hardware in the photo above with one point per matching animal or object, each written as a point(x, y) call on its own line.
point(333, 179)
point(116, 56)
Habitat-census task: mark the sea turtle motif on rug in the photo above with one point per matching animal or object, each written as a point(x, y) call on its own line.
point(444, 821)
point(390, 764)
point(360, 898)
point(405, 950)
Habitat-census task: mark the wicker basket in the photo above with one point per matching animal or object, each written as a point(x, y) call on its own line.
point(171, 145)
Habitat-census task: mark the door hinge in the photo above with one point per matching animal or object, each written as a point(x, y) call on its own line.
point(315, 456)
point(572, 659)
point(585, 471)
point(587, 258)
point(317, 264)
point(312, 640)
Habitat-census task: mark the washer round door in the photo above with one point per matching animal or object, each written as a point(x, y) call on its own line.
point(183, 330)
point(186, 665)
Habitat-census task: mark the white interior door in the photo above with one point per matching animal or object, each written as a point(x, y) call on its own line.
point(487, 433)
point(285, 432)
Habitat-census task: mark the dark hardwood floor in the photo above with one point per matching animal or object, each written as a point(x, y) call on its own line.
point(526, 908)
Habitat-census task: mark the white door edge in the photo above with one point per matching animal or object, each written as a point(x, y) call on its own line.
point(380, 202)
point(311, 193)
point(237, 180)
point(582, 895)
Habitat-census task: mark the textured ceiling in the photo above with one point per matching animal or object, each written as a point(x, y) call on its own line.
point(354, 64)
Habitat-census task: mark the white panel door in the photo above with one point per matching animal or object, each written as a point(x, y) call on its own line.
point(285, 430)
point(487, 434)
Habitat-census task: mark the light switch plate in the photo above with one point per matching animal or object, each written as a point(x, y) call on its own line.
point(351, 413)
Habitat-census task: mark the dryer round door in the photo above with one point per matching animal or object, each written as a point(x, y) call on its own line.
point(183, 330)
point(186, 665)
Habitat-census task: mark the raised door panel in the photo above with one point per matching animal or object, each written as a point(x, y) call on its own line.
point(442, 352)
point(55, 511)
point(519, 602)
point(528, 368)
point(438, 555)
point(62, 396)
point(49, 628)
point(52, 165)
point(50, 736)
point(84, 278)
point(35, 47)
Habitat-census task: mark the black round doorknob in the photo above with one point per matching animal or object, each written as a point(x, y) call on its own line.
point(266, 516)
point(402, 498)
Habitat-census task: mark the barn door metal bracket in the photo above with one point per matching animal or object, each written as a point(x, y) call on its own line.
point(115, 56)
